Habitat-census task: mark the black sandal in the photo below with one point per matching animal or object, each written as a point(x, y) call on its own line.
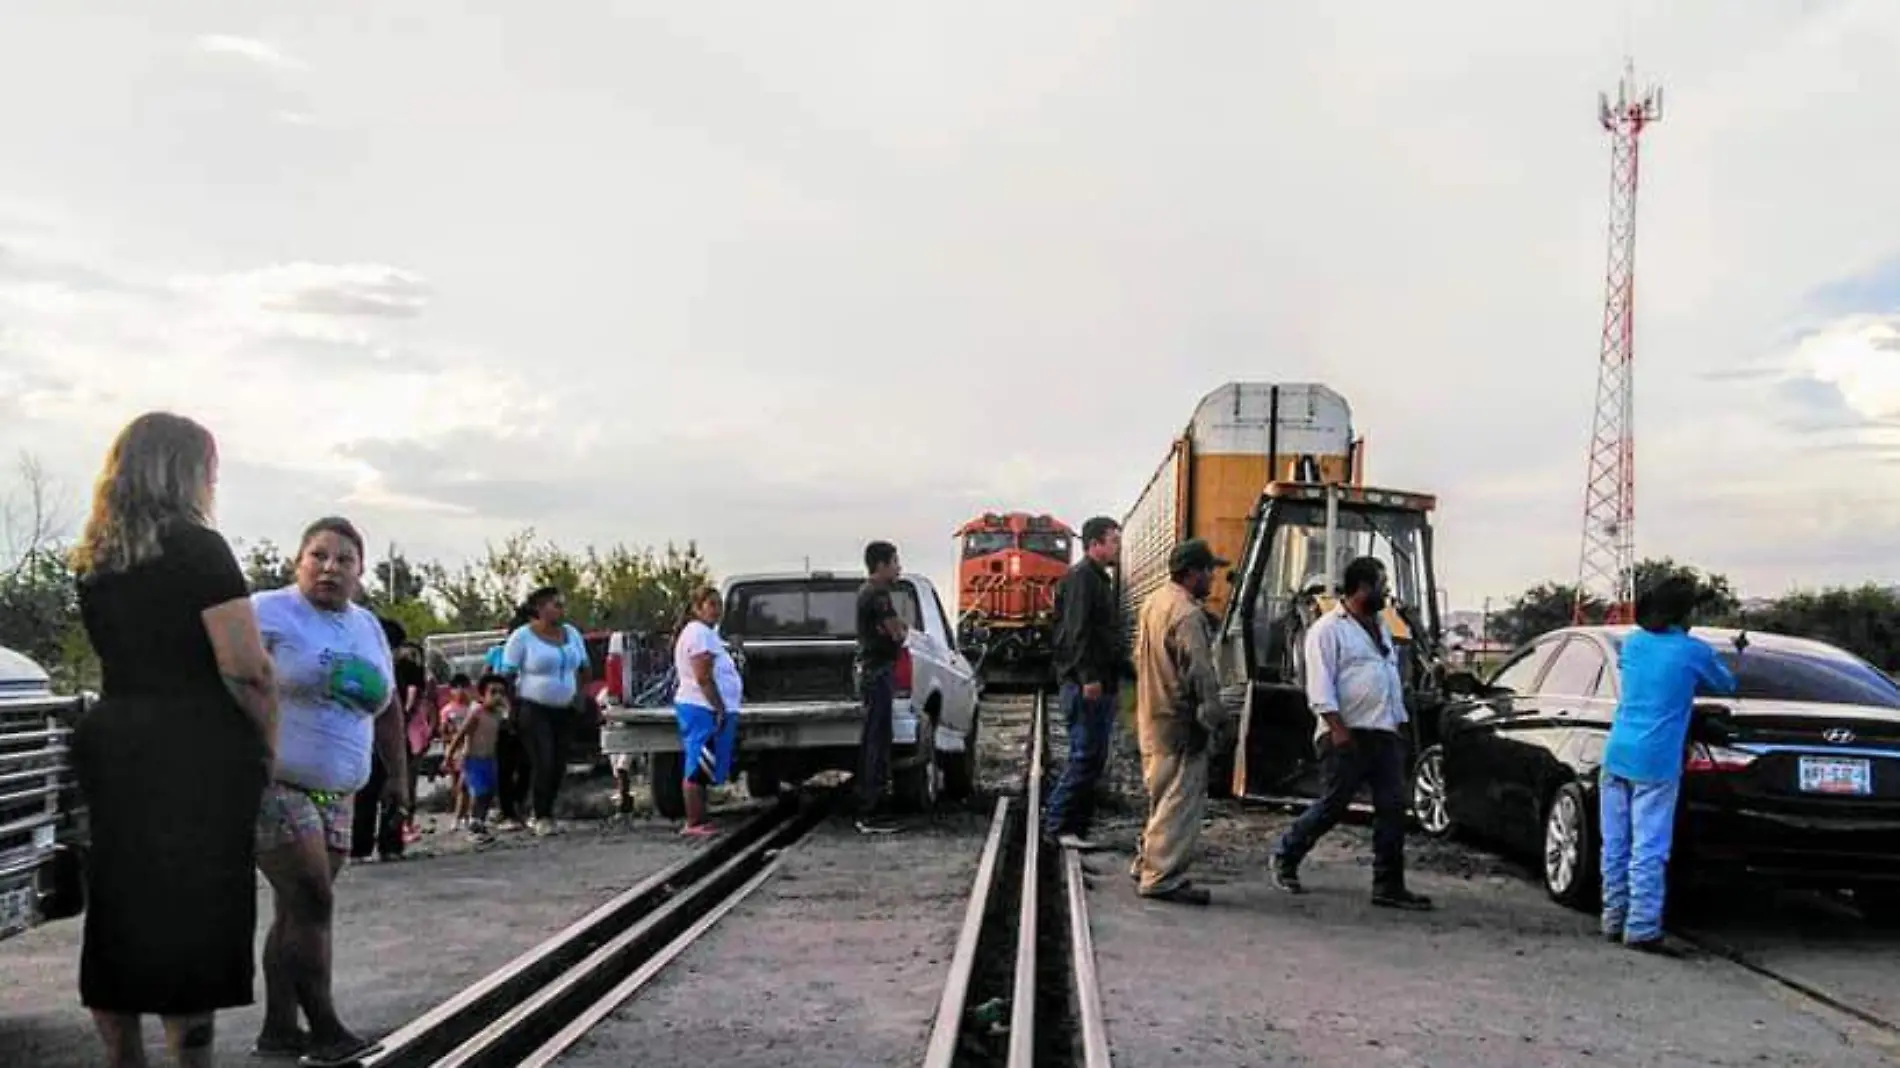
point(340, 1054)
point(294, 1044)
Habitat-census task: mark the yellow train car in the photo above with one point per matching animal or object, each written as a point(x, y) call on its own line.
point(1242, 436)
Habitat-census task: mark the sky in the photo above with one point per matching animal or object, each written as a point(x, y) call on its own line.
point(780, 278)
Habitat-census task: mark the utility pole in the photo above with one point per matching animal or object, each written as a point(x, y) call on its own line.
point(1607, 562)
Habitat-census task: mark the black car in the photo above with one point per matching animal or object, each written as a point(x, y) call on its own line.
point(1796, 778)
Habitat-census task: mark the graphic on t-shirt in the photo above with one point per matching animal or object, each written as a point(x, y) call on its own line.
point(355, 681)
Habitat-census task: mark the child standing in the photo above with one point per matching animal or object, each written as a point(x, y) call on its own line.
point(460, 704)
point(476, 741)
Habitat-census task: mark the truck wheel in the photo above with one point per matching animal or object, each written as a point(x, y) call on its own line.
point(762, 783)
point(666, 777)
point(916, 786)
point(960, 769)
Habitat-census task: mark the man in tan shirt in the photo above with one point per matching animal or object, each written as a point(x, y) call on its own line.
point(1179, 716)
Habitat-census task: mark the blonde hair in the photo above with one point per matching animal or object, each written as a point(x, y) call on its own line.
point(157, 473)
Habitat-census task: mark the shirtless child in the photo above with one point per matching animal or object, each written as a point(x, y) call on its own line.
point(476, 739)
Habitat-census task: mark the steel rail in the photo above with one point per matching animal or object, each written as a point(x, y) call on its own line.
point(562, 1040)
point(449, 1025)
point(942, 1050)
point(544, 1013)
point(1022, 1017)
point(1088, 988)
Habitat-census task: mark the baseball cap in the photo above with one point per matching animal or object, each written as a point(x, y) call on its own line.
point(1194, 554)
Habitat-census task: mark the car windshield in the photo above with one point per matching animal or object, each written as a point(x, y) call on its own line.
point(1784, 675)
point(804, 608)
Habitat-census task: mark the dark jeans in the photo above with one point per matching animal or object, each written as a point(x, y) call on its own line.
point(1071, 804)
point(1376, 758)
point(377, 828)
point(543, 730)
point(878, 688)
point(511, 774)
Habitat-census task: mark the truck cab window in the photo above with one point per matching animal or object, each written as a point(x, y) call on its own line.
point(805, 608)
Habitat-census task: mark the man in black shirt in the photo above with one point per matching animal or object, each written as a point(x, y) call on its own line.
point(881, 634)
point(1091, 657)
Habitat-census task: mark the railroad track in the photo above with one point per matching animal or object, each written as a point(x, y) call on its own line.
point(1022, 988)
point(526, 1014)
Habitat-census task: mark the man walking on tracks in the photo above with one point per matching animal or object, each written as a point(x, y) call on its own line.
point(1358, 699)
point(1090, 659)
point(881, 634)
point(1179, 715)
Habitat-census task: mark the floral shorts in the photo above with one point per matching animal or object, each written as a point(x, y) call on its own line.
point(291, 813)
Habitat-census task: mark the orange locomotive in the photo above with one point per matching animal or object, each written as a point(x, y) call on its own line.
point(1007, 569)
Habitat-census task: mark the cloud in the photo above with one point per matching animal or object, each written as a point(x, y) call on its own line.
point(790, 278)
point(350, 289)
point(250, 48)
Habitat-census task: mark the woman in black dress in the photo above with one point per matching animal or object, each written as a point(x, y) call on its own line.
point(174, 759)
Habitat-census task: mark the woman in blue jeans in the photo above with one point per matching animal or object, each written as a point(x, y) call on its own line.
point(1662, 670)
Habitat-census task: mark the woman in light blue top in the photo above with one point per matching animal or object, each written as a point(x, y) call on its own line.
point(547, 658)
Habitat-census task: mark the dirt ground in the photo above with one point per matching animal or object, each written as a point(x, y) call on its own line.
point(409, 934)
point(838, 960)
point(1498, 975)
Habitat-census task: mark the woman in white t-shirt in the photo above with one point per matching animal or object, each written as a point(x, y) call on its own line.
point(706, 705)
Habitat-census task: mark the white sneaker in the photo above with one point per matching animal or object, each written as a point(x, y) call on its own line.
point(1071, 840)
point(543, 828)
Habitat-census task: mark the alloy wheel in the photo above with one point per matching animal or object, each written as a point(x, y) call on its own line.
point(1563, 844)
point(1428, 793)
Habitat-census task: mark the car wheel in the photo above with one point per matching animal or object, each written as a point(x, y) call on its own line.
point(1429, 802)
point(666, 782)
point(960, 769)
point(1570, 849)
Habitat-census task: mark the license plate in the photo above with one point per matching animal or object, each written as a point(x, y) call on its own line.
point(19, 910)
point(1836, 775)
point(764, 737)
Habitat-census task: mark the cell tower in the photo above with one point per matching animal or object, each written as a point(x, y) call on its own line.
point(1606, 569)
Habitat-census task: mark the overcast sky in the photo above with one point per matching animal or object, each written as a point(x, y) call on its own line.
point(782, 277)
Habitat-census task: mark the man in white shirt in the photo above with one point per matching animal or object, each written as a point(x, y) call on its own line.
point(1358, 701)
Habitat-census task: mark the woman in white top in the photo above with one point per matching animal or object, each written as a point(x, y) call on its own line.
point(706, 705)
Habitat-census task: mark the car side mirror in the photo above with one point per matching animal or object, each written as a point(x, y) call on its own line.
point(1463, 683)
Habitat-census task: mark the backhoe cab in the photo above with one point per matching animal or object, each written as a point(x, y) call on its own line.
point(1301, 536)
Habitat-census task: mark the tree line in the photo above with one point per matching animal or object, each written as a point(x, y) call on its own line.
point(618, 588)
point(1865, 619)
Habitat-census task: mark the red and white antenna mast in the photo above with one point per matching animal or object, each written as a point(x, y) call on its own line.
point(1606, 569)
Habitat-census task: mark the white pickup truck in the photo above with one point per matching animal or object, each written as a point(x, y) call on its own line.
point(793, 638)
point(42, 817)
